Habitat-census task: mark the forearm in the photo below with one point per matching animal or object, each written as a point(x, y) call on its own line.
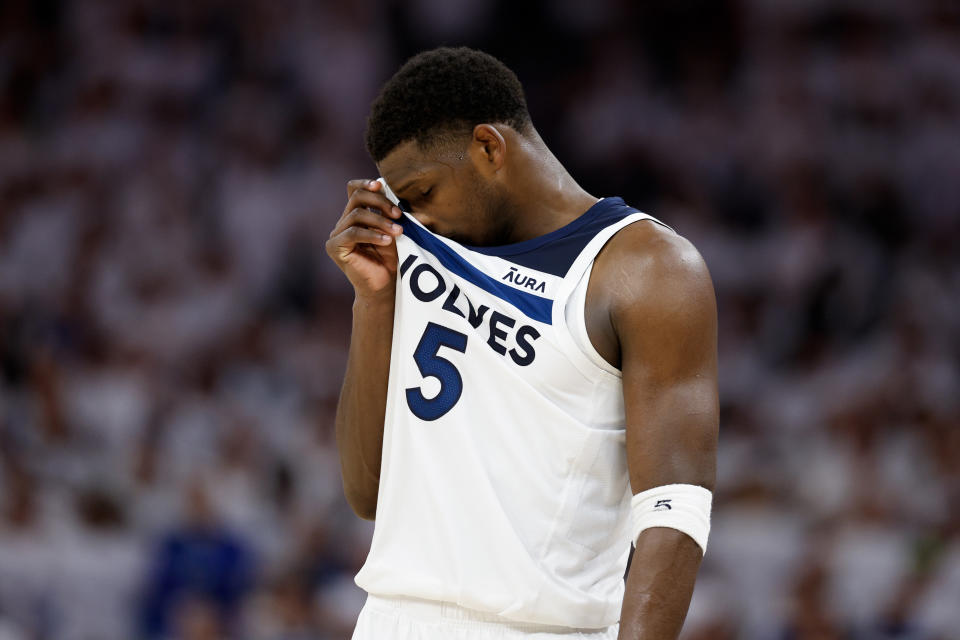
point(362, 405)
point(659, 585)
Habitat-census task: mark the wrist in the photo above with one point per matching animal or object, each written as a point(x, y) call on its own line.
point(381, 301)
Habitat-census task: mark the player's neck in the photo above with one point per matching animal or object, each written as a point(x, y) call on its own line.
point(547, 195)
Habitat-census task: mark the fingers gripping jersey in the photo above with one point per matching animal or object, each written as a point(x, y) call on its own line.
point(503, 483)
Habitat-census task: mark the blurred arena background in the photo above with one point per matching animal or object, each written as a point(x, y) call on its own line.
point(172, 335)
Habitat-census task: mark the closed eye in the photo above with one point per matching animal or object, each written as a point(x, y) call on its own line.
point(419, 198)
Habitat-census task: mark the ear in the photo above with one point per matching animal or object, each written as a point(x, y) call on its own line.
point(488, 149)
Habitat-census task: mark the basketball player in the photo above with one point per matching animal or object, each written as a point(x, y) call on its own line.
point(531, 384)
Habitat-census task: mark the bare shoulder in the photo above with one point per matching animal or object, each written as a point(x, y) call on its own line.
point(647, 269)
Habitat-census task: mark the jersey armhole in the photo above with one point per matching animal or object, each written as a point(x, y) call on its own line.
point(576, 320)
point(571, 331)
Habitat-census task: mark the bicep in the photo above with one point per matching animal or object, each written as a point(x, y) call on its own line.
point(666, 324)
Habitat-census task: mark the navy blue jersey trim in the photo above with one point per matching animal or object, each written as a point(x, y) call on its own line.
point(534, 307)
point(556, 251)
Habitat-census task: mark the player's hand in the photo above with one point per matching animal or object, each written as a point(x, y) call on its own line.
point(363, 242)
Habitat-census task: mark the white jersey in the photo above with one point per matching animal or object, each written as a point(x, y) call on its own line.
point(503, 482)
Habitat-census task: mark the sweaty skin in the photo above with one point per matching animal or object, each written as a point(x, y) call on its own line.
point(650, 311)
point(363, 245)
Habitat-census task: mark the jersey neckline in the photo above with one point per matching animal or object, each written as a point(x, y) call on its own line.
point(534, 243)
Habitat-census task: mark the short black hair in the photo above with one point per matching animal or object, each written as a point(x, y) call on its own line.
point(441, 91)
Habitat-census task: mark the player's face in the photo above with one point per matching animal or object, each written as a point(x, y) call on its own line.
point(447, 194)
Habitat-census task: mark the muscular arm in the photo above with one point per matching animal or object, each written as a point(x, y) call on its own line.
point(661, 322)
point(363, 245)
point(362, 405)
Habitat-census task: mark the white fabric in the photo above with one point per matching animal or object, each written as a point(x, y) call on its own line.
point(576, 322)
point(514, 500)
point(684, 507)
point(413, 619)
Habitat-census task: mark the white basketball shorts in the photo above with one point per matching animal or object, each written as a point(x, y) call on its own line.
point(396, 618)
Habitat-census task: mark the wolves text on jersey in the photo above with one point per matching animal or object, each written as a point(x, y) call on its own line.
point(456, 302)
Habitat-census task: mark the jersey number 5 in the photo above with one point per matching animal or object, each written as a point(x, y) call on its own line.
point(432, 365)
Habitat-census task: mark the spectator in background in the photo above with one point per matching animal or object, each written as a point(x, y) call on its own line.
point(198, 576)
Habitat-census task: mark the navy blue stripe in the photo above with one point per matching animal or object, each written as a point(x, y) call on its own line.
point(556, 251)
point(600, 207)
point(534, 307)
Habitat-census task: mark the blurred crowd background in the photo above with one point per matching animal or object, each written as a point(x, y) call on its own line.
point(172, 335)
